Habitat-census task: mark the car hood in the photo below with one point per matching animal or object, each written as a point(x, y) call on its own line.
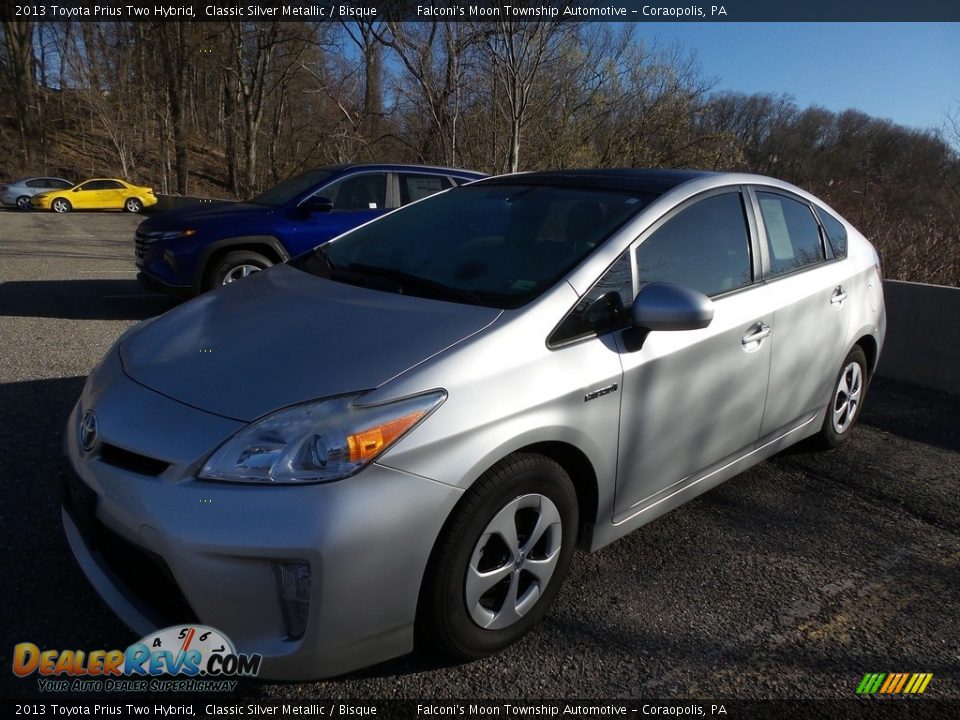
point(284, 336)
point(207, 214)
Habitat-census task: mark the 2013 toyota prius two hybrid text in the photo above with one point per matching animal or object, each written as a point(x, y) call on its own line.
point(407, 431)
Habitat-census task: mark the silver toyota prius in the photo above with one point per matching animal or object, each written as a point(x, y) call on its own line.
point(405, 433)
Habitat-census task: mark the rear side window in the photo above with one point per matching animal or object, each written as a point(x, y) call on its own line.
point(706, 247)
point(416, 187)
point(836, 233)
point(61, 184)
point(793, 236)
point(38, 183)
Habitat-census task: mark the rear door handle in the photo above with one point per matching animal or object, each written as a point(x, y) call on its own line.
point(839, 295)
point(757, 333)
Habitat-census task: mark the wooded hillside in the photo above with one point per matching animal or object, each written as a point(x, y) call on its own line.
point(226, 109)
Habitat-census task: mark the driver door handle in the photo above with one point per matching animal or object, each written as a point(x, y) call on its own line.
point(839, 295)
point(758, 332)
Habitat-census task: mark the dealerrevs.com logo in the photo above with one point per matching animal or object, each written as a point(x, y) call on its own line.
point(199, 657)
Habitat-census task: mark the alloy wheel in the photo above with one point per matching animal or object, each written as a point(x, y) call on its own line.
point(239, 272)
point(513, 561)
point(847, 397)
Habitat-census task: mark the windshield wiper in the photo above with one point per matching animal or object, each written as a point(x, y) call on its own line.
point(408, 284)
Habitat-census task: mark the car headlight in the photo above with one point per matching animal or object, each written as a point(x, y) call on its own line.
point(318, 441)
point(155, 235)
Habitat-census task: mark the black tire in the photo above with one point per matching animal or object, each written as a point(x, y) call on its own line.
point(23, 202)
point(133, 205)
point(443, 617)
point(833, 434)
point(61, 205)
point(227, 265)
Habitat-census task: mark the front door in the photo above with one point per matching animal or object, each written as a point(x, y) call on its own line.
point(693, 400)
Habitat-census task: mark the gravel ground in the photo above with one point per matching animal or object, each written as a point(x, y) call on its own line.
point(790, 581)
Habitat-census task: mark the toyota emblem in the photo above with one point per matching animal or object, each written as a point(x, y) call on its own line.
point(88, 431)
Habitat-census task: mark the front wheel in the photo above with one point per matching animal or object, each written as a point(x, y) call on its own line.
point(235, 266)
point(61, 206)
point(846, 400)
point(501, 558)
point(133, 205)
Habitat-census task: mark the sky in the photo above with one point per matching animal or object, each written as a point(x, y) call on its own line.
point(907, 72)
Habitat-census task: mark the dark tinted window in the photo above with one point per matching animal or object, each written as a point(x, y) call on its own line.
point(358, 192)
point(291, 188)
point(706, 247)
point(793, 235)
point(416, 187)
point(836, 233)
point(602, 309)
point(60, 184)
point(37, 183)
point(110, 185)
point(92, 185)
point(497, 245)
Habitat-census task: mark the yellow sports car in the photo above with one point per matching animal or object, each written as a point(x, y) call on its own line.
point(99, 194)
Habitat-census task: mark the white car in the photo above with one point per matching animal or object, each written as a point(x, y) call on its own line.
point(19, 192)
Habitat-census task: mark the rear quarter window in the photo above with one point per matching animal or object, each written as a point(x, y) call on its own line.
point(836, 233)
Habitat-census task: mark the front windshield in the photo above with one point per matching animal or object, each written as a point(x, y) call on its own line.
point(490, 244)
point(282, 193)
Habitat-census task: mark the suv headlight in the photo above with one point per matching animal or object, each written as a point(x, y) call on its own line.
point(155, 235)
point(318, 441)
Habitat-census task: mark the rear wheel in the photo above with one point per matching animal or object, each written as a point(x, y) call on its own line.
point(61, 205)
point(23, 202)
point(846, 400)
point(234, 266)
point(133, 205)
point(501, 559)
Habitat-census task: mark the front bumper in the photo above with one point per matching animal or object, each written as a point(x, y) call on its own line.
point(210, 548)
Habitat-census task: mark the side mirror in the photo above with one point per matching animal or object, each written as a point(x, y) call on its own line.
point(665, 306)
point(76, 189)
point(317, 204)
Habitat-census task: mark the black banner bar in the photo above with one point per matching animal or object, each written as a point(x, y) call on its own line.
point(177, 706)
point(485, 10)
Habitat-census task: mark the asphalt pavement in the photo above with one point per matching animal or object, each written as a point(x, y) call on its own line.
point(792, 580)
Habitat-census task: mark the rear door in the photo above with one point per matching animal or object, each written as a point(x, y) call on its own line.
point(693, 400)
point(811, 312)
point(413, 186)
point(113, 194)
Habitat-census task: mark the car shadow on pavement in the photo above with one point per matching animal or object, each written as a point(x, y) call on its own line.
point(95, 299)
point(46, 598)
point(913, 412)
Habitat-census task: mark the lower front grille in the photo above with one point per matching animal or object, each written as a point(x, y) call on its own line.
point(144, 575)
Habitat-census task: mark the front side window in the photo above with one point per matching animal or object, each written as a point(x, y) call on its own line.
point(110, 185)
point(38, 183)
point(705, 247)
point(59, 184)
point(92, 185)
point(793, 236)
point(291, 188)
point(491, 244)
point(358, 192)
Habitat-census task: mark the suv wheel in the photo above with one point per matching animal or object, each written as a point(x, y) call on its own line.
point(501, 558)
point(236, 265)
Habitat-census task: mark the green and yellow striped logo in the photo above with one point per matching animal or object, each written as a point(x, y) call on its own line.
point(894, 683)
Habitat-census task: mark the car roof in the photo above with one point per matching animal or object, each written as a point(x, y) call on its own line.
point(401, 167)
point(657, 181)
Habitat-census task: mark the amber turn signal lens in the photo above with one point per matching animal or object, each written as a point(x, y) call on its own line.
point(367, 444)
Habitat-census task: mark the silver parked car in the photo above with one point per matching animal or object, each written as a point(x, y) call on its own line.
point(407, 431)
point(19, 192)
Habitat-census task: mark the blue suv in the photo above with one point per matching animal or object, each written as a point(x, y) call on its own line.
point(194, 249)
